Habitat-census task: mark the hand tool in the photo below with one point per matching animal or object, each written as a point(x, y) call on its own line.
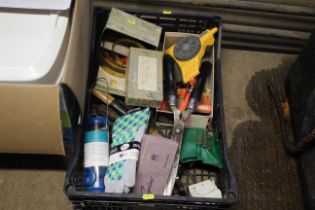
point(185, 102)
point(103, 110)
point(110, 100)
point(181, 116)
point(188, 51)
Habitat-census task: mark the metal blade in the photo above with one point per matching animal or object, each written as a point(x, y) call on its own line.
point(177, 135)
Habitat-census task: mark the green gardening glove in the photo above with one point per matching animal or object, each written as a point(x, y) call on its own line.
point(199, 145)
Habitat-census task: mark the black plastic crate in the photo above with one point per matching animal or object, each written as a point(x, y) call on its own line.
point(74, 188)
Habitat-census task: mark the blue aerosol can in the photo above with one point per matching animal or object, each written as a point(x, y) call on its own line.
point(96, 153)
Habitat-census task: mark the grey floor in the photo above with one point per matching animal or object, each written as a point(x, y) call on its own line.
point(26, 189)
point(304, 3)
point(32, 189)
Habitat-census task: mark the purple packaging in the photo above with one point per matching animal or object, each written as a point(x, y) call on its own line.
point(156, 159)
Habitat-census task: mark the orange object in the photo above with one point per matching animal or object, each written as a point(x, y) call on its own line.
point(286, 110)
point(204, 105)
point(124, 60)
point(181, 92)
point(185, 102)
point(163, 105)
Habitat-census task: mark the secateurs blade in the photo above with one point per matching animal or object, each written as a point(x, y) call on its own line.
point(181, 114)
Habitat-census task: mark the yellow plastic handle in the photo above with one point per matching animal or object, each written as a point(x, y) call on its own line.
point(190, 68)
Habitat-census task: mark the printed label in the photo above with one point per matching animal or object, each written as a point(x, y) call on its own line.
point(148, 196)
point(167, 12)
point(96, 154)
point(126, 146)
point(96, 136)
point(206, 189)
point(131, 154)
point(131, 21)
point(147, 73)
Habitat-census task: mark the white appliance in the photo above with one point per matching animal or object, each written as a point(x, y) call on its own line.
point(33, 39)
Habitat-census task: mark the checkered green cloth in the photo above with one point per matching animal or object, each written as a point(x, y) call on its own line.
point(120, 176)
point(114, 172)
point(126, 127)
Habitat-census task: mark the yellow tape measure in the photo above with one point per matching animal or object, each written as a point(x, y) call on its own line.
point(188, 52)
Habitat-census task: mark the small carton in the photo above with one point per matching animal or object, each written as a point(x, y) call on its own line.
point(145, 78)
point(134, 27)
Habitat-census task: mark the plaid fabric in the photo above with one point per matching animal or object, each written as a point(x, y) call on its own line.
point(125, 130)
point(115, 171)
point(126, 127)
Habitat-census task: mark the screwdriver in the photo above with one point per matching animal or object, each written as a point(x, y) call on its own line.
point(110, 101)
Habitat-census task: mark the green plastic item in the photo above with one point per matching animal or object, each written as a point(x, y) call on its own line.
point(199, 145)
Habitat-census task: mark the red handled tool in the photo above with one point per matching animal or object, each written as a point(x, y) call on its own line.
point(186, 108)
point(183, 105)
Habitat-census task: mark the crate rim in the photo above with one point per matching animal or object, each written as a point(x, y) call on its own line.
point(232, 194)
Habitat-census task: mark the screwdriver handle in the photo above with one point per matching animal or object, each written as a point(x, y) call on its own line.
point(186, 100)
point(170, 80)
point(110, 101)
point(205, 70)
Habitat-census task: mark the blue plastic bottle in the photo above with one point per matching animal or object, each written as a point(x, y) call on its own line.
point(96, 153)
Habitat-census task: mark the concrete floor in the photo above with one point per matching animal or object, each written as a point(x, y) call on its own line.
point(303, 3)
point(29, 189)
point(32, 189)
point(237, 69)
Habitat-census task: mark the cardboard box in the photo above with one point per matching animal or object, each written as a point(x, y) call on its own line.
point(195, 120)
point(30, 113)
point(144, 78)
point(124, 26)
point(133, 27)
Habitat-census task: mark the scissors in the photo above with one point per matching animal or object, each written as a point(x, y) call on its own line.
point(183, 111)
